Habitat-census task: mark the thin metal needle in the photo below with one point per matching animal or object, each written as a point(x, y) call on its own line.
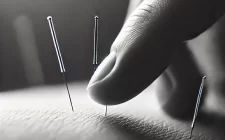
point(95, 55)
point(197, 106)
point(61, 64)
point(106, 110)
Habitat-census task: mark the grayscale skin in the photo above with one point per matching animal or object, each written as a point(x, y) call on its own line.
point(140, 123)
point(152, 47)
point(95, 54)
point(166, 42)
point(25, 115)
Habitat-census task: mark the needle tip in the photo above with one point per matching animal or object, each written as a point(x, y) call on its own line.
point(191, 133)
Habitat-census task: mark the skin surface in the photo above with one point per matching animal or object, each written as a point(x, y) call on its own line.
point(25, 115)
point(88, 125)
point(137, 119)
point(172, 44)
point(146, 44)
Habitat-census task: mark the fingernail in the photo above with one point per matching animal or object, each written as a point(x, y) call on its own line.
point(103, 69)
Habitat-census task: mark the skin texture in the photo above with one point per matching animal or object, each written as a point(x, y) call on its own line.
point(87, 125)
point(159, 35)
point(133, 122)
point(161, 28)
point(45, 113)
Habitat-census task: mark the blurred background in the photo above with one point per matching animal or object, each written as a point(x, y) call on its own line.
point(27, 53)
point(30, 75)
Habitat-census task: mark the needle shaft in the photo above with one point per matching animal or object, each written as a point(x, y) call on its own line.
point(95, 56)
point(56, 44)
point(106, 110)
point(68, 91)
point(61, 64)
point(197, 105)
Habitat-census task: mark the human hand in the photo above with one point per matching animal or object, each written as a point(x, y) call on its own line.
point(145, 46)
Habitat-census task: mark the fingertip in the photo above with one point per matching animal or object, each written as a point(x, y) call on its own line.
point(103, 69)
point(108, 93)
point(96, 88)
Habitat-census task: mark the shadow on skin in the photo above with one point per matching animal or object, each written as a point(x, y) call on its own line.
point(180, 99)
point(212, 120)
point(145, 130)
point(84, 124)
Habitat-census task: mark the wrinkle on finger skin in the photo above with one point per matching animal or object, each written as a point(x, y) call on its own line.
point(146, 43)
point(85, 125)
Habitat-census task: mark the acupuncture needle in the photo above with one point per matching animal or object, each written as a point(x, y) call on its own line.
point(95, 55)
point(197, 106)
point(60, 59)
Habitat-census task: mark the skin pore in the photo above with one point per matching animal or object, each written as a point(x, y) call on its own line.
point(133, 120)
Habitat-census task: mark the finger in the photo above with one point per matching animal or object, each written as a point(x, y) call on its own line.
point(145, 44)
point(133, 4)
